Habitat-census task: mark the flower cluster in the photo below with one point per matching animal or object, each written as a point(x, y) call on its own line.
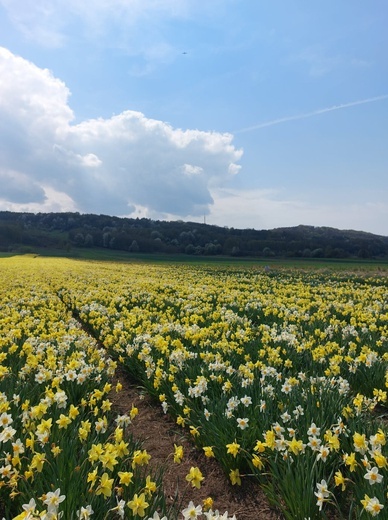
point(62, 454)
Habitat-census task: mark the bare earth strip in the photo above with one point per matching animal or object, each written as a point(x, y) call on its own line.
point(159, 433)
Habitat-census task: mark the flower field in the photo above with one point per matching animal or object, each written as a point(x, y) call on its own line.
point(280, 376)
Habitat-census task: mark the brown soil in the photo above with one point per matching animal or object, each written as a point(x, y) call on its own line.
point(159, 433)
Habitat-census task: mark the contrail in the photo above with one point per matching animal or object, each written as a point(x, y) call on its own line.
point(311, 114)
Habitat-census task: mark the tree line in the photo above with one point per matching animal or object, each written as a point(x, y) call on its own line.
point(24, 231)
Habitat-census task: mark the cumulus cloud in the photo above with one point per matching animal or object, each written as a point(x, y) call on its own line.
point(19, 188)
point(54, 201)
point(102, 165)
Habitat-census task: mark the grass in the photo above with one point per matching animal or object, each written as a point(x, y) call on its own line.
point(109, 255)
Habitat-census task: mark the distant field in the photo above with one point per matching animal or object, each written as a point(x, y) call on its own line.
point(123, 256)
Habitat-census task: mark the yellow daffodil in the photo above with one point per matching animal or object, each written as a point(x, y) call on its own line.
point(138, 505)
point(208, 451)
point(233, 448)
point(339, 480)
point(235, 478)
point(178, 454)
point(105, 486)
point(125, 477)
point(195, 477)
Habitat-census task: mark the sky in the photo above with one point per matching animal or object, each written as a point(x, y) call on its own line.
point(241, 113)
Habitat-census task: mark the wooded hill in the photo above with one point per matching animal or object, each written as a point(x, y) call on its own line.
point(22, 232)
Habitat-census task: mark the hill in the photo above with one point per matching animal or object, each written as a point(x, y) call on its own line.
point(24, 231)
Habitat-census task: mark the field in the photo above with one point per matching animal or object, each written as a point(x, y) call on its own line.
point(275, 377)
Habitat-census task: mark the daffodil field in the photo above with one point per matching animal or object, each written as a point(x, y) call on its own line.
point(280, 375)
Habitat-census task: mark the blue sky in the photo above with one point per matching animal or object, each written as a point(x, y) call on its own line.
point(249, 113)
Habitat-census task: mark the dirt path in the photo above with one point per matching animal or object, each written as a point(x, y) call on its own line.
point(159, 434)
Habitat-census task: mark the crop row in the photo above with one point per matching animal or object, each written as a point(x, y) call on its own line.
point(280, 376)
point(63, 452)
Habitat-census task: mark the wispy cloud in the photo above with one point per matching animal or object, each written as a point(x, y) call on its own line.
point(310, 114)
point(50, 23)
point(319, 61)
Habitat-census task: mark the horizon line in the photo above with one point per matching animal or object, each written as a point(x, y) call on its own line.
point(306, 115)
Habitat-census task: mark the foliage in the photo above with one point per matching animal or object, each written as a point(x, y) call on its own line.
point(69, 230)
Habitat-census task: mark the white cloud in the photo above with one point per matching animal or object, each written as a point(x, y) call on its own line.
point(54, 201)
point(18, 187)
point(268, 209)
point(102, 165)
point(33, 95)
point(190, 170)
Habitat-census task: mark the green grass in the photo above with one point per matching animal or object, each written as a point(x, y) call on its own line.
point(109, 255)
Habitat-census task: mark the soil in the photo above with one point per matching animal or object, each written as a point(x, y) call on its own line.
point(159, 433)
